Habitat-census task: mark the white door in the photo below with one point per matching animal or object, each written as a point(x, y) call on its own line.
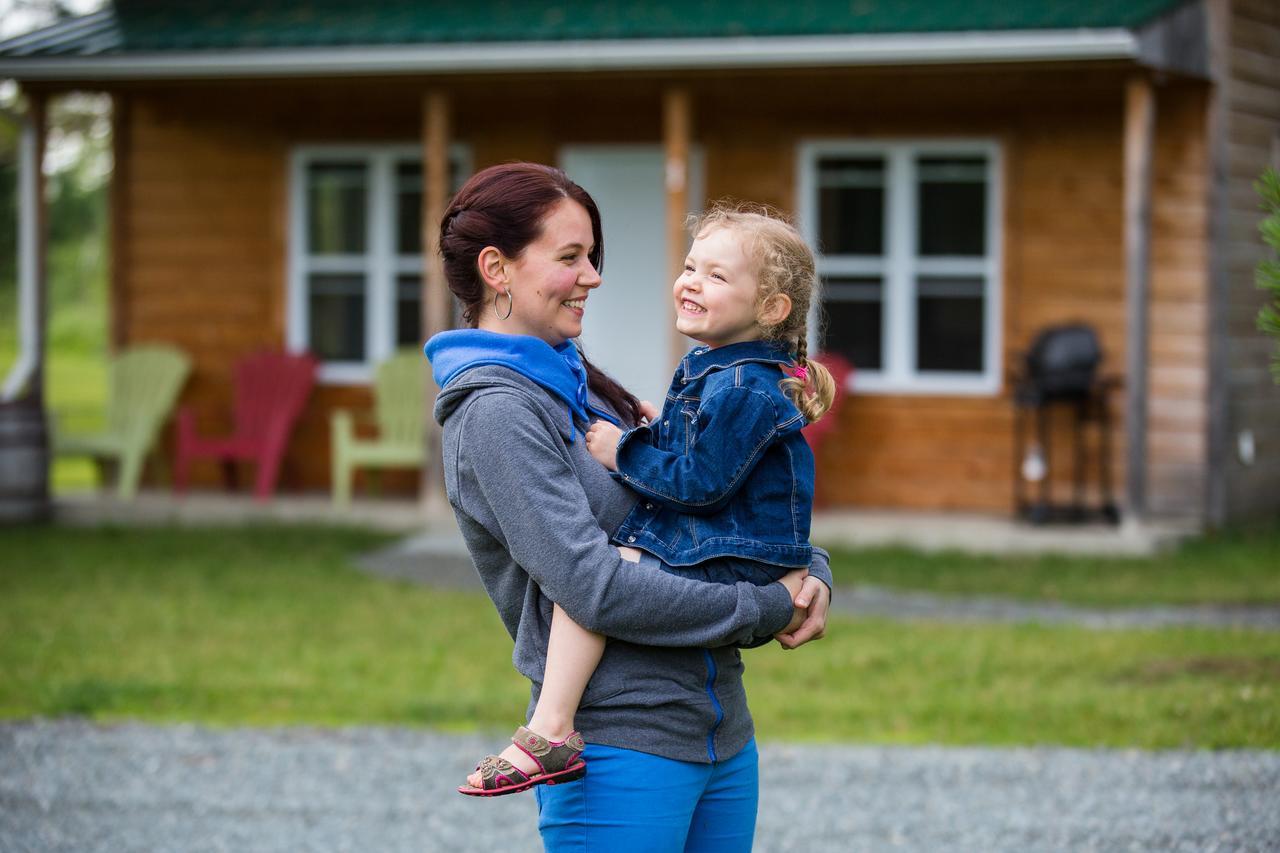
point(629, 321)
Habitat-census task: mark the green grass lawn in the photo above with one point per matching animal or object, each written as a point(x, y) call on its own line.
point(1240, 567)
point(270, 625)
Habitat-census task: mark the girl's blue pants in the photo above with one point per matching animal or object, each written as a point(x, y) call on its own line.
point(632, 801)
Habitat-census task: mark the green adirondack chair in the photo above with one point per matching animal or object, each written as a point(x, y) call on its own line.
point(400, 400)
point(143, 384)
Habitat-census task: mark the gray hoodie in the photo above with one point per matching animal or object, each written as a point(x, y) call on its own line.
point(534, 508)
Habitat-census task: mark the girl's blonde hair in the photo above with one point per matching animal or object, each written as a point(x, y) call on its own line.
point(784, 265)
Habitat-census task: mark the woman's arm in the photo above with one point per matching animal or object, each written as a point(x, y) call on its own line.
point(532, 501)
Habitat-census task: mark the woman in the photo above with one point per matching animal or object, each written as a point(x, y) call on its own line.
point(671, 752)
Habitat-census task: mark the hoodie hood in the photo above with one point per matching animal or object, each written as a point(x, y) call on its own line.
point(493, 377)
point(557, 370)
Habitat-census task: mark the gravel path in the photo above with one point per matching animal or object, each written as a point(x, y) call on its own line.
point(72, 786)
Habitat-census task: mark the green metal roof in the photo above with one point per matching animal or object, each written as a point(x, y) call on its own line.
point(147, 26)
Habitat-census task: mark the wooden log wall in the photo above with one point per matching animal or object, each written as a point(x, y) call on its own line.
point(1247, 67)
point(1178, 376)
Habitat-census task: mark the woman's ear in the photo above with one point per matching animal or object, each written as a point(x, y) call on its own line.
point(775, 309)
point(493, 268)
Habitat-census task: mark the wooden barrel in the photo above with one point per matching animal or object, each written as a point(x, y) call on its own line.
point(24, 463)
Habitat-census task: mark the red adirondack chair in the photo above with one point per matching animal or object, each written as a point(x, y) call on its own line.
point(271, 391)
point(841, 370)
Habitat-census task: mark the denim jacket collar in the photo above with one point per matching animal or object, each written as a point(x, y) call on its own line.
point(702, 360)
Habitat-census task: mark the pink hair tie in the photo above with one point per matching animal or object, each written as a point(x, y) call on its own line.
point(802, 373)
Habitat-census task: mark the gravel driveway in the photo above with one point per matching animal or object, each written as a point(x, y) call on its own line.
point(72, 786)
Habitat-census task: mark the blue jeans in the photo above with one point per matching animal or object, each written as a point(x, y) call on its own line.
point(728, 570)
point(633, 802)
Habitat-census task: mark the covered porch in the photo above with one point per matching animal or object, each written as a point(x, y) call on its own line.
point(224, 171)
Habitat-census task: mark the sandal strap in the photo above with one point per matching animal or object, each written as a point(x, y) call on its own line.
point(551, 756)
point(494, 770)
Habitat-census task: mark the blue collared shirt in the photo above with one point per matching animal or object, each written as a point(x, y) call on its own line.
point(725, 471)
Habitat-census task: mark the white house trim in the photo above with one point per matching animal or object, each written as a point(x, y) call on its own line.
point(380, 264)
point(28, 249)
point(900, 267)
point(594, 55)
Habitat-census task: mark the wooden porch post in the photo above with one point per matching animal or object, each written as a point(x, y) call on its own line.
point(121, 137)
point(25, 381)
point(435, 293)
point(24, 433)
point(677, 128)
point(1139, 134)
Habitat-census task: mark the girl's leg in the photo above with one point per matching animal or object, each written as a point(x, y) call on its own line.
point(629, 802)
point(573, 653)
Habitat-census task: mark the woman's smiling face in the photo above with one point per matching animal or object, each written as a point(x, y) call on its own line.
point(550, 280)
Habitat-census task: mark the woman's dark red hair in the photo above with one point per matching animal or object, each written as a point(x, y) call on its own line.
point(504, 206)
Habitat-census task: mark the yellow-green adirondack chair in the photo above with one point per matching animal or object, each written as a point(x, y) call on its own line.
point(142, 386)
point(400, 399)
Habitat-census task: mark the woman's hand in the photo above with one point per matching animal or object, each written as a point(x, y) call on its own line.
point(794, 582)
point(648, 411)
point(602, 442)
point(809, 622)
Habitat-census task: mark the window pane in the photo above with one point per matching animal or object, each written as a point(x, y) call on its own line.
point(851, 206)
point(950, 324)
point(409, 208)
point(855, 320)
point(337, 316)
point(953, 205)
point(408, 310)
point(409, 203)
point(336, 194)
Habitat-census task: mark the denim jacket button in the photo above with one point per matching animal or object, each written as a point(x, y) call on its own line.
point(631, 538)
point(648, 506)
point(666, 423)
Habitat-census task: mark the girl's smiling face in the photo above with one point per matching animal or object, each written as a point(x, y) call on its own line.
point(550, 280)
point(715, 296)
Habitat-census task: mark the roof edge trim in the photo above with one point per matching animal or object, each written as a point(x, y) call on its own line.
point(614, 54)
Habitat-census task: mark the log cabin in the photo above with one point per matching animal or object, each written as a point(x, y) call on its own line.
point(969, 175)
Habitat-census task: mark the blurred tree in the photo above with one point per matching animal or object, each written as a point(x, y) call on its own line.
point(1268, 273)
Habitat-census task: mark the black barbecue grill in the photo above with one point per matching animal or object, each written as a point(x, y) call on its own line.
point(1061, 372)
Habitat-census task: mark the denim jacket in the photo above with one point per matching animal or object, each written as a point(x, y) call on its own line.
point(725, 471)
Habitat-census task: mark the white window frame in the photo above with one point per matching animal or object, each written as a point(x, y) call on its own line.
point(380, 264)
point(899, 266)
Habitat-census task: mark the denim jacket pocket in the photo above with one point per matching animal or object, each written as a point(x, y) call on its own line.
point(689, 425)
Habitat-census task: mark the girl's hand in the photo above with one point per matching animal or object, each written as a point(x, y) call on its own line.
point(649, 411)
point(812, 602)
point(602, 442)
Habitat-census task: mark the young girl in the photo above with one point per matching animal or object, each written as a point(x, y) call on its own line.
point(724, 476)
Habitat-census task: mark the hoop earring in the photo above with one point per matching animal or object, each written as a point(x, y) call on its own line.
point(510, 305)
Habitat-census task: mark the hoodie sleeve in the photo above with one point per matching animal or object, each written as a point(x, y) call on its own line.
point(538, 509)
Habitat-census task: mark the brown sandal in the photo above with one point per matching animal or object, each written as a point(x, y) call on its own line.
point(560, 761)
